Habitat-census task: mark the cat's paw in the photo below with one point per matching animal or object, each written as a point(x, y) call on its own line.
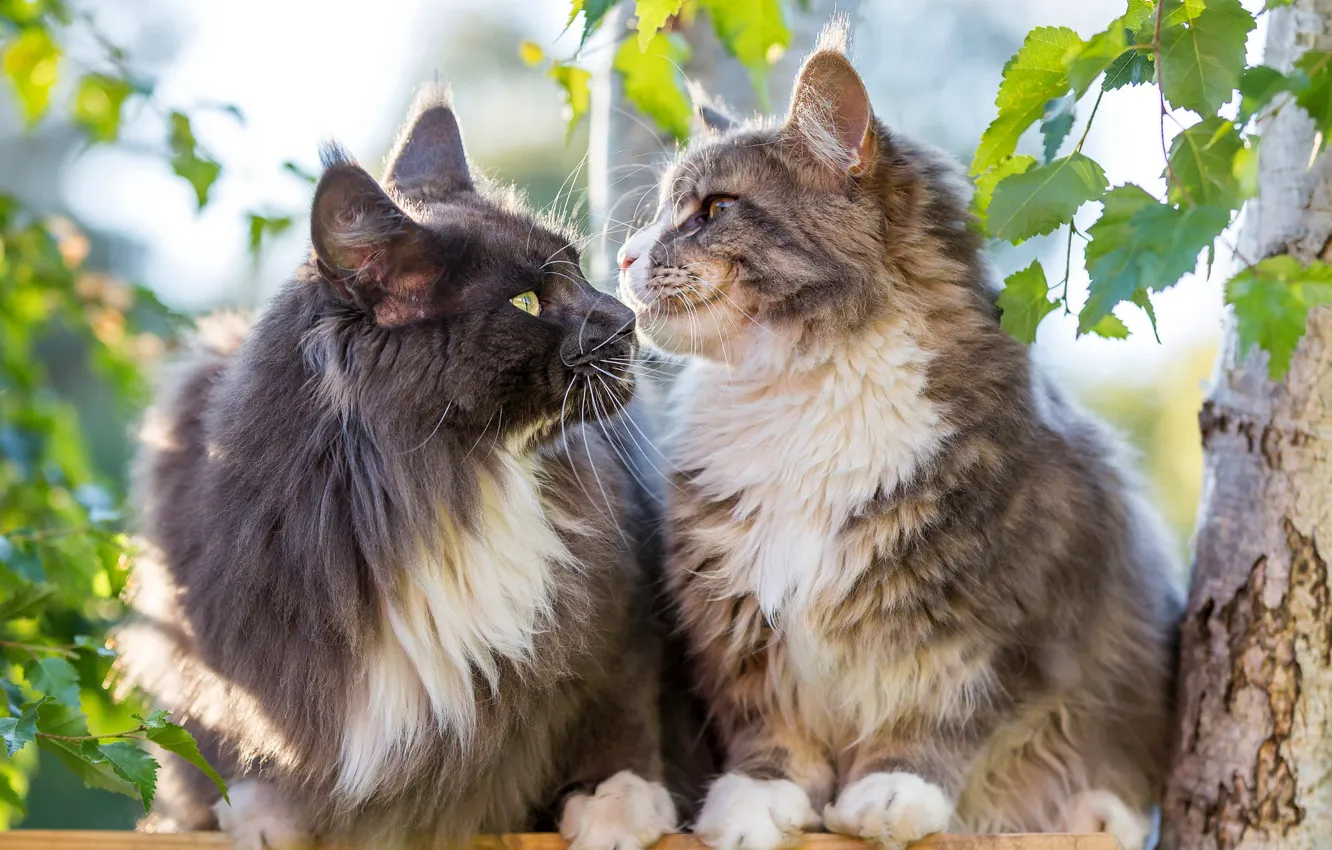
point(1103, 811)
point(890, 809)
point(257, 818)
point(741, 813)
point(627, 812)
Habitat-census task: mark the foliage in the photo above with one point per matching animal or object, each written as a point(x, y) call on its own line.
point(649, 61)
point(64, 558)
point(1194, 51)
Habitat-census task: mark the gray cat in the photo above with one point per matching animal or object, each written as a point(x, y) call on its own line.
point(922, 590)
point(390, 574)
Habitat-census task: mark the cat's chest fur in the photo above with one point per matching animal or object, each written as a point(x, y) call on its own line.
point(470, 603)
point(778, 462)
point(788, 456)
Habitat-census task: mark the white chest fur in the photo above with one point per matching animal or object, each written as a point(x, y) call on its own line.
point(801, 446)
point(469, 600)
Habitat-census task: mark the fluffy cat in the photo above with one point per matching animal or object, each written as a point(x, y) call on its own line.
point(922, 590)
point(390, 576)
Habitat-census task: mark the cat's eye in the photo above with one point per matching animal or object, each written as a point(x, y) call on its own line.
point(718, 204)
point(527, 302)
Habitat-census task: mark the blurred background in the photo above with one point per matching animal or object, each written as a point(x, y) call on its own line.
point(302, 71)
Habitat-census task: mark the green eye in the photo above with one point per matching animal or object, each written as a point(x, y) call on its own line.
point(527, 302)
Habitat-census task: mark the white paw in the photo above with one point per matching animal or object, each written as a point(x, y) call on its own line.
point(627, 812)
point(891, 809)
point(259, 819)
point(1103, 811)
point(754, 814)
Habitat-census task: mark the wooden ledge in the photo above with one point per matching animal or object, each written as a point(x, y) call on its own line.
point(41, 839)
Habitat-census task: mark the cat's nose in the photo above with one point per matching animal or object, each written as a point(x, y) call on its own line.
point(627, 257)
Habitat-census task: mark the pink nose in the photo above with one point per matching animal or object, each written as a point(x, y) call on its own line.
point(627, 257)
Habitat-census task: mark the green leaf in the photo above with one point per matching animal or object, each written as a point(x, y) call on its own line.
point(754, 32)
point(25, 601)
point(80, 756)
point(1024, 301)
point(1178, 12)
point(1109, 326)
point(9, 797)
point(1041, 199)
point(56, 678)
point(296, 170)
point(1201, 61)
point(1277, 4)
point(594, 11)
point(1133, 68)
point(652, 16)
point(1032, 78)
point(265, 227)
point(1257, 86)
point(97, 105)
point(201, 172)
point(133, 765)
point(1202, 158)
point(1272, 301)
point(577, 87)
point(1056, 124)
point(1088, 60)
point(1314, 88)
point(1141, 243)
point(176, 739)
point(1245, 168)
point(32, 63)
point(155, 719)
point(1144, 300)
point(1140, 14)
point(651, 81)
point(18, 731)
point(985, 183)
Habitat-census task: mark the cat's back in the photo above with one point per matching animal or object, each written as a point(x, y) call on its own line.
point(173, 444)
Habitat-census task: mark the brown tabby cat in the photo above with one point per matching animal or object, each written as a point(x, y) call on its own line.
point(392, 581)
point(922, 590)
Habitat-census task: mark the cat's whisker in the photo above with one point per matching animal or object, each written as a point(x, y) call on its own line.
point(482, 435)
point(582, 415)
point(620, 451)
point(624, 327)
point(432, 434)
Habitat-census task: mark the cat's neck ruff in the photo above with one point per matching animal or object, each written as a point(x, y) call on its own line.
point(801, 450)
point(467, 602)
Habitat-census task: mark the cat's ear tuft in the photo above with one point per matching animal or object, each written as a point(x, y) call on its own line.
point(355, 229)
point(830, 112)
point(710, 116)
point(428, 161)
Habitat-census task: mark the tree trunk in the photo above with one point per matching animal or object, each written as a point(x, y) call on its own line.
point(1253, 759)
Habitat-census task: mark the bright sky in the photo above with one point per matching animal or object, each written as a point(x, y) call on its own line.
point(304, 71)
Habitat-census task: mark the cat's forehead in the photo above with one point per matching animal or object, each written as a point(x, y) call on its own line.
point(732, 164)
point(503, 228)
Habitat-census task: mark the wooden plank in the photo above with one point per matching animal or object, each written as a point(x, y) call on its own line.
point(38, 839)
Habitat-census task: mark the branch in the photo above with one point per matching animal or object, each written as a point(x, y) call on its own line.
point(1172, 178)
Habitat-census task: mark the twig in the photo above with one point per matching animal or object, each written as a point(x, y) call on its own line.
point(34, 648)
point(1172, 177)
point(130, 734)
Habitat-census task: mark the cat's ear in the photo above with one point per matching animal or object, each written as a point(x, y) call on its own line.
point(710, 116)
point(428, 160)
point(830, 112)
point(365, 246)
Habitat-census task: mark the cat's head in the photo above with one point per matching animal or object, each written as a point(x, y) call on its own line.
point(796, 231)
point(450, 303)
